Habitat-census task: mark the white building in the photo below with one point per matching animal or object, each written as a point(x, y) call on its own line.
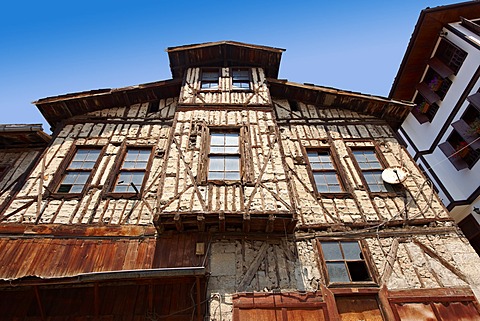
point(440, 72)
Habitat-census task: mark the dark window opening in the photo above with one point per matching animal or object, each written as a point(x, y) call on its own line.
point(468, 153)
point(210, 79)
point(345, 262)
point(78, 171)
point(450, 55)
point(372, 171)
point(424, 111)
point(153, 106)
point(293, 105)
point(436, 83)
point(240, 78)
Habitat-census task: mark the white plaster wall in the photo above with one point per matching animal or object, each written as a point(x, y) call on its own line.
point(460, 184)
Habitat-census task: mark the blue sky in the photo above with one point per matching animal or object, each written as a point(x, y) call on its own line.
point(49, 48)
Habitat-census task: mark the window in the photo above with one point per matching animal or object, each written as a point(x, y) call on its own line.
point(209, 79)
point(240, 78)
point(78, 172)
point(372, 171)
point(224, 156)
point(450, 55)
point(344, 262)
point(323, 171)
point(463, 145)
point(424, 110)
point(132, 172)
point(462, 150)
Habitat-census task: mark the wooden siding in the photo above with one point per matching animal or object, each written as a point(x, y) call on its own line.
point(150, 300)
point(57, 258)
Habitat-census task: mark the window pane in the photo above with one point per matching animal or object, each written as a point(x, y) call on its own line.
point(231, 150)
point(232, 176)
point(217, 139)
point(331, 251)
point(217, 163)
point(82, 178)
point(64, 188)
point(216, 175)
point(232, 163)
point(70, 178)
point(337, 272)
point(231, 139)
point(137, 179)
point(129, 164)
point(351, 250)
point(76, 188)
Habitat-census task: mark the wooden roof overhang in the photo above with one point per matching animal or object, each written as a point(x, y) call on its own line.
point(392, 111)
point(422, 43)
point(58, 108)
point(23, 136)
point(224, 54)
point(252, 222)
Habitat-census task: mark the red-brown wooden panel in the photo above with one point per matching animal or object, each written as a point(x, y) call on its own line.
point(65, 257)
point(305, 315)
point(457, 311)
point(353, 308)
point(415, 312)
point(259, 315)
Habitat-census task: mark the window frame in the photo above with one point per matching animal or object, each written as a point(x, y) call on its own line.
point(210, 154)
point(115, 175)
point(242, 81)
point(204, 81)
point(395, 189)
point(60, 174)
point(335, 169)
point(370, 267)
point(246, 171)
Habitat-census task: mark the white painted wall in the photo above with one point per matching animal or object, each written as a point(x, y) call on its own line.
point(460, 184)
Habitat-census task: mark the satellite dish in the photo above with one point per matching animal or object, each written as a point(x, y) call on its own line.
point(394, 175)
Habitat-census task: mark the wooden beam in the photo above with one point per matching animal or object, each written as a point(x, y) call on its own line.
point(199, 299)
point(96, 300)
point(444, 262)
point(246, 223)
point(221, 222)
point(178, 222)
point(329, 299)
point(270, 224)
point(39, 303)
point(389, 262)
point(201, 223)
point(248, 276)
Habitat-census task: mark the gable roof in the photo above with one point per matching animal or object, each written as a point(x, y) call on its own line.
point(423, 41)
point(392, 111)
point(58, 108)
point(23, 136)
point(224, 54)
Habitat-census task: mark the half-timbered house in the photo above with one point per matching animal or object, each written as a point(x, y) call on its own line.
point(226, 193)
